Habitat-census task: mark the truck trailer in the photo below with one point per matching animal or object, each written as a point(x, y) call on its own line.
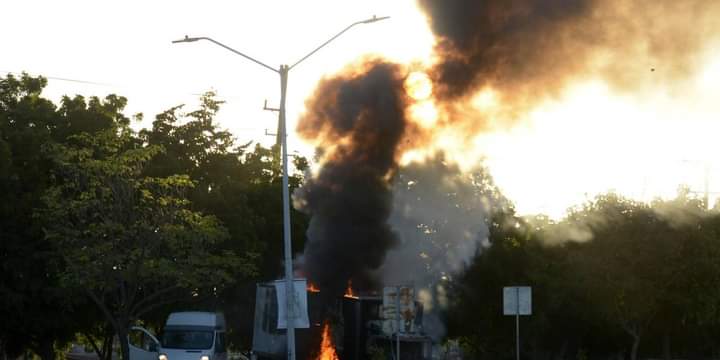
point(359, 326)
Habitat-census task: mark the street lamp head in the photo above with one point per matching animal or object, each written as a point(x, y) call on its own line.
point(374, 19)
point(186, 39)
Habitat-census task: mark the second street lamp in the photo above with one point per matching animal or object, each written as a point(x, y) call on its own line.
point(281, 140)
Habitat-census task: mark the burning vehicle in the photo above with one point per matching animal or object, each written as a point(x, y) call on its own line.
point(494, 62)
point(351, 327)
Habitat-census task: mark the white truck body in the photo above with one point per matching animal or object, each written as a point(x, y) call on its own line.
point(191, 335)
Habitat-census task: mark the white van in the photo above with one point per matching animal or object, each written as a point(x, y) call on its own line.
point(189, 335)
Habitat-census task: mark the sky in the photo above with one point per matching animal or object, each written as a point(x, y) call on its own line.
point(126, 48)
point(640, 145)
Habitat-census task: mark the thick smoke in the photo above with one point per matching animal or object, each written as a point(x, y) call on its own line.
point(524, 52)
point(529, 50)
point(498, 42)
point(357, 121)
point(440, 215)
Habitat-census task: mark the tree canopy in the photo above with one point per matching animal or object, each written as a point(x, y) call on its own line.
point(95, 213)
point(103, 226)
point(614, 278)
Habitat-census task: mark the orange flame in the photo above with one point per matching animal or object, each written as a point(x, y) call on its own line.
point(349, 291)
point(327, 349)
point(312, 288)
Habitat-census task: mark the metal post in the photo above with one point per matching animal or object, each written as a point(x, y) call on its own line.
point(289, 286)
point(398, 346)
point(706, 196)
point(399, 321)
point(517, 322)
point(282, 141)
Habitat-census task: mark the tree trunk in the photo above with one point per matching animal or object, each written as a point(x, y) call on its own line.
point(635, 346)
point(620, 355)
point(108, 345)
point(667, 354)
point(560, 354)
point(123, 338)
point(122, 329)
point(46, 350)
point(93, 343)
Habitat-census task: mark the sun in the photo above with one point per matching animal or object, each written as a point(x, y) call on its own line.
point(418, 85)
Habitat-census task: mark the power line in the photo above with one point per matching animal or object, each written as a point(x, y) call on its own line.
point(225, 98)
point(117, 86)
point(60, 78)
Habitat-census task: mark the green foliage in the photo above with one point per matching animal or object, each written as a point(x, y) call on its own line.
point(36, 311)
point(91, 211)
point(239, 184)
point(116, 225)
point(614, 277)
point(94, 213)
point(130, 241)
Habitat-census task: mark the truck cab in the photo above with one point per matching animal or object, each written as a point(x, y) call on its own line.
point(191, 335)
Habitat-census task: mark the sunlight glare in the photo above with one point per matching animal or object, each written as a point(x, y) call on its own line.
point(418, 85)
point(591, 141)
point(424, 113)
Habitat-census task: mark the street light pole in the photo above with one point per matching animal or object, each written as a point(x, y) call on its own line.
point(281, 140)
point(289, 286)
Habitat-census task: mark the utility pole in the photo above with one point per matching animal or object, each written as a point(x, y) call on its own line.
point(706, 183)
point(281, 140)
point(517, 323)
point(706, 195)
point(289, 283)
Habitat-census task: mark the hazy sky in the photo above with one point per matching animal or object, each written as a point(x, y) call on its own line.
point(126, 48)
point(641, 145)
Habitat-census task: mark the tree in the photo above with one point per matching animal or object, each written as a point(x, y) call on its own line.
point(36, 311)
point(627, 267)
point(614, 270)
point(129, 241)
point(44, 147)
point(689, 314)
point(241, 185)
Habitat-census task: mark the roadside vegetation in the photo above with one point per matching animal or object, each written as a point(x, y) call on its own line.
point(103, 227)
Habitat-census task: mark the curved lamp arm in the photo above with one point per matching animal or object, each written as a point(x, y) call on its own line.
point(367, 21)
point(192, 39)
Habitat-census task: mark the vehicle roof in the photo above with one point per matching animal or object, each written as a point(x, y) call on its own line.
point(216, 320)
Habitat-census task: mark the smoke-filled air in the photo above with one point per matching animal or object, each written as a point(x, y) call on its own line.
point(548, 168)
point(537, 95)
point(358, 123)
point(590, 95)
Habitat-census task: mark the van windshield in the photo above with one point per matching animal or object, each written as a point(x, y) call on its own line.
point(187, 339)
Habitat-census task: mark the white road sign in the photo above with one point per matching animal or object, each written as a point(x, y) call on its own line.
point(300, 310)
point(517, 300)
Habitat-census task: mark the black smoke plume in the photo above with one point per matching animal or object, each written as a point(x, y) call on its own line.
point(529, 50)
point(357, 120)
point(525, 51)
point(497, 41)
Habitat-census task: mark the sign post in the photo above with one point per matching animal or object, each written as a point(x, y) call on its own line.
point(517, 300)
point(298, 309)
